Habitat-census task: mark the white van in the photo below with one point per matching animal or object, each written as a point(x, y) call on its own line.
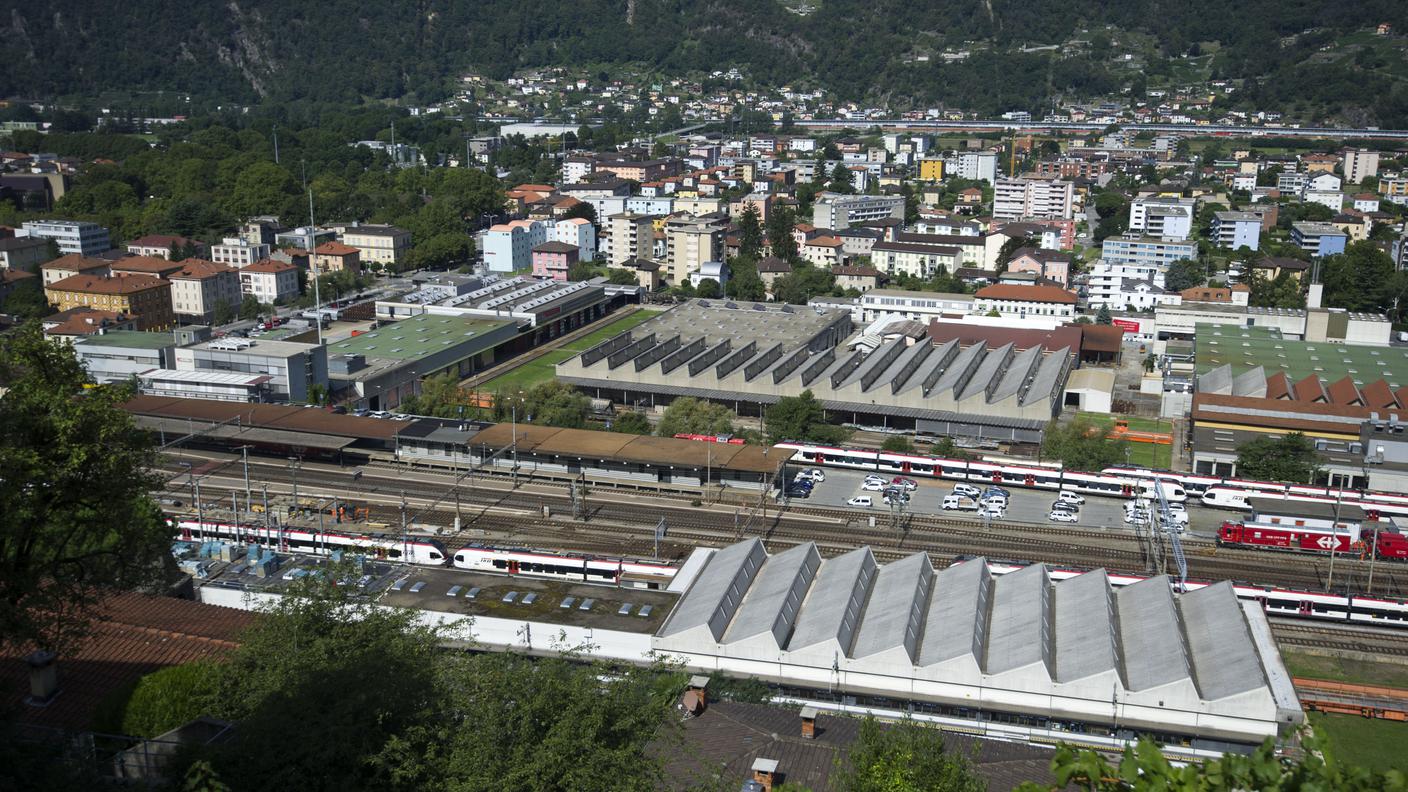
point(863, 501)
point(960, 503)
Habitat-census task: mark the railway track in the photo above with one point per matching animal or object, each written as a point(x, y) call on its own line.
point(1340, 639)
point(944, 538)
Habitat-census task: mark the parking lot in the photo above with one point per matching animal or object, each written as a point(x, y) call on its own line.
point(1024, 505)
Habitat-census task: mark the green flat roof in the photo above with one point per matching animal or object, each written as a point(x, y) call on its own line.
point(1245, 348)
point(134, 339)
point(419, 336)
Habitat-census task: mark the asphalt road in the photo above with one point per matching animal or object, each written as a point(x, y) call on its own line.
point(1025, 505)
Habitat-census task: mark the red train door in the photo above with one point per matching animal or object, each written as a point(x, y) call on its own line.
point(1030, 480)
point(819, 458)
point(512, 567)
point(904, 466)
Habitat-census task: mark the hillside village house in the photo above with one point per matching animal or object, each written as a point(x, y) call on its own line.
point(336, 257)
point(269, 281)
point(145, 298)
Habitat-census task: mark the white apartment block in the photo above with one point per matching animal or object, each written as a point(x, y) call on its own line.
point(837, 211)
point(1166, 218)
point(72, 236)
point(576, 169)
point(238, 253)
point(1233, 230)
point(1145, 251)
point(1122, 287)
point(576, 231)
point(383, 244)
point(916, 260)
point(1359, 164)
point(1015, 199)
point(974, 165)
point(269, 281)
point(508, 247)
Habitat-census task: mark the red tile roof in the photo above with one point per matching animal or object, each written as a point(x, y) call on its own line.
point(107, 284)
point(133, 635)
point(1378, 394)
point(76, 262)
point(269, 265)
point(1344, 391)
point(335, 249)
point(1278, 386)
point(1311, 389)
point(1020, 293)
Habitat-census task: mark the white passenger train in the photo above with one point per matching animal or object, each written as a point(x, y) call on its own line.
point(416, 550)
point(566, 567)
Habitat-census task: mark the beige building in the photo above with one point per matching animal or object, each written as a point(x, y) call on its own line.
point(382, 244)
point(201, 286)
point(632, 237)
point(689, 242)
point(1360, 164)
point(336, 257)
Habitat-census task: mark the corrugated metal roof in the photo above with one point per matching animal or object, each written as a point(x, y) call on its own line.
point(1220, 644)
point(832, 608)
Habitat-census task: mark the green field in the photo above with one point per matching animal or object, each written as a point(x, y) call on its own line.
point(1144, 454)
point(1338, 669)
point(542, 369)
point(1366, 742)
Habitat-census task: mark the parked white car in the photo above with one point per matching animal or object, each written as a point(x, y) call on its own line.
point(1061, 515)
point(861, 500)
point(967, 490)
point(1066, 496)
point(873, 486)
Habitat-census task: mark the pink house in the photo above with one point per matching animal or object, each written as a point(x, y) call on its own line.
point(1050, 264)
point(552, 260)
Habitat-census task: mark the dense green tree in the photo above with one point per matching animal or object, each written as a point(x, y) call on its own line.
point(161, 700)
point(631, 423)
point(261, 188)
point(1081, 445)
point(803, 283)
point(897, 443)
point(744, 283)
point(441, 396)
point(581, 271)
point(26, 301)
point(802, 418)
point(549, 403)
point(1290, 458)
point(750, 232)
point(1102, 316)
point(1144, 768)
point(583, 210)
point(842, 180)
point(688, 415)
point(76, 522)
point(621, 276)
point(1360, 279)
point(904, 756)
point(1283, 291)
point(249, 308)
point(1184, 274)
point(781, 222)
point(708, 288)
point(224, 313)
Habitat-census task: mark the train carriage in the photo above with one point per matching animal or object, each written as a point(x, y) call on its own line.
point(420, 551)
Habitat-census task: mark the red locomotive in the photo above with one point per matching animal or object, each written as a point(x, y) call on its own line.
point(1357, 540)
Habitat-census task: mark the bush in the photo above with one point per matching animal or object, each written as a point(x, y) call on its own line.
point(898, 444)
point(160, 701)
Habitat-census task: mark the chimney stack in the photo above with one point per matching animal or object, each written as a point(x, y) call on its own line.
point(765, 773)
point(43, 678)
point(809, 722)
point(697, 684)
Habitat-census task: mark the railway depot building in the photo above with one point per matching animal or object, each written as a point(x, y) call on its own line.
point(750, 355)
point(1351, 401)
point(1200, 668)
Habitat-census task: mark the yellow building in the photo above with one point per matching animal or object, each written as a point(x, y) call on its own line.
point(145, 298)
point(931, 169)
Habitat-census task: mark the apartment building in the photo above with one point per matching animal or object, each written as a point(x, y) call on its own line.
point(835, 210)
point(973, 165)
point(72, 236)
point(1015, 199)
point(145, 298)
point(1020, 302)
point(238, 252)
point(1318, 239)
point(23, 254)
point(914, 259)
point(382, 244)
point(70, 265)
point(1166, 218)
point(508, 247)
point(552, 260)
point(1145, 250)
point(690, 242)
point(632, 237)
point(1359, 164)
point(200, 287)
point(576, 231)
point(336, 257)
point(269, 281)
point(161, 245)
point(1235, 230)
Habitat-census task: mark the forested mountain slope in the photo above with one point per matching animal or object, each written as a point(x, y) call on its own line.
point(350, 50)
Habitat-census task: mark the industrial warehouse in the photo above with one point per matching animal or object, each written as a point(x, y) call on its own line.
point(745, 355)
point(1014, 656)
